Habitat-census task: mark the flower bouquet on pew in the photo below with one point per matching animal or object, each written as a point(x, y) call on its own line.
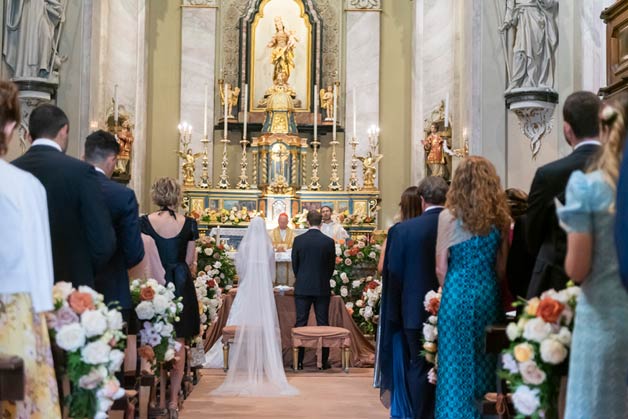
point(430, 332)
point(91, 335)
point(214, 261)
point(157, 309)
point(539, 352)
point(209, 298)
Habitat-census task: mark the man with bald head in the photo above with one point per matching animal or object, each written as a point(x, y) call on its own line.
point(282, 236)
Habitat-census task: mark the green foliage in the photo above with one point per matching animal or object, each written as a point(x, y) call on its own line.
point(81, 402)
point(76, 367)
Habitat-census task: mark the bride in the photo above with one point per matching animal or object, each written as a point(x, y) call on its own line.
point(255, 361)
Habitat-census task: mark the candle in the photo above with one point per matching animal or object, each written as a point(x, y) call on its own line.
point(315, 111)
point(355, 123)
point(115, 104)
point(447, 110)
point(226, 109)
point(335, 112)
point(246, 105)
point(205, 114)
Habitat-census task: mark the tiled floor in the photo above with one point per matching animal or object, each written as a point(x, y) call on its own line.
point(329, 394)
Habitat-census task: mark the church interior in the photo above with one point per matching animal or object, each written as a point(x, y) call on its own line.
point(277, 108)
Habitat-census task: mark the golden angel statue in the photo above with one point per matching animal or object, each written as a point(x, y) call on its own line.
point(233, 94)
point(282, 54)
point(327, 102)
point(188, 166)
point(369, 168)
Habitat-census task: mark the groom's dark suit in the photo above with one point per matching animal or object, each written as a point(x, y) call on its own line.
point(313, 263)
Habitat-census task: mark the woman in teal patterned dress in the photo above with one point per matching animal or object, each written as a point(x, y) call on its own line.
point(470, 260)
point(598, 363)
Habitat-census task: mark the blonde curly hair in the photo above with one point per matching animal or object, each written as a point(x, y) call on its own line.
point(166, 192)
point(477, 198)
point(613, 119)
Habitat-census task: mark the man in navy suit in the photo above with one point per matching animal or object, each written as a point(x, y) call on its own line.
point(413, 263)
point(621, 220)
point(101, 151)
point(313, 263)
point(82, 235)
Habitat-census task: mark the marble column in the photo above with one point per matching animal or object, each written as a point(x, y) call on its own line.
point(198, 52)
point(362, 76)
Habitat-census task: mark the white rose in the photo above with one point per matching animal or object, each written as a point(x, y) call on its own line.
point(145, 310)
point(217, 265)
point(198, 249)
point(332, 283)
point(372, 255)
point(509, 363)
point(553, 352)
point(526, 400)
point(96, 353)
point(62, 290)
point(104, 404)
point(169, 355)
point(338, 251)
point(343, 291)
point(512, 331)
point(531, 373)
point(564, 336)
point(94, 323)
point(573, 292)
point(349, 305)
point(368, 312)
point(151, 282)
point(566, 316)
point(160, 304)
point(116, 358)
point(167, 330)
point(71, 337)
point(433, 320)
point(359, 303)
point(430, 332)
point(536, 329)
point(356, 284)
point(346, 253)
point(208, 251)
point(114, 320)
point(93, 379)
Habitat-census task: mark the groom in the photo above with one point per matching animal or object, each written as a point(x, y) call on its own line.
point(313, 262)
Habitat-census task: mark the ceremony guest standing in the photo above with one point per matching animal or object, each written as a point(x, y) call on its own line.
point(471, 254)
point(391, 357)
point(598, 361)
point(26, 276)
point(313, 263)
point(330, 228)
point(546, 240)
point(175, 236)
point(282, 236)
point(101, 151)
point(520, 261)
point(83, 239)
point(413, 261)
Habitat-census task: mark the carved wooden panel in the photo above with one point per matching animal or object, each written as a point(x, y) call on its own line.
point(616, 19)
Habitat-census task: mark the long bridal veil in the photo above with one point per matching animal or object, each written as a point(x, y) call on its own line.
point(255, 358)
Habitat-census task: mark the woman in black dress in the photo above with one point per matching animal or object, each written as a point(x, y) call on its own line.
point(175, 236)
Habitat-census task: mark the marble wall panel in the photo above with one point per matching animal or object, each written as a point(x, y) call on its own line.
point(198, 52)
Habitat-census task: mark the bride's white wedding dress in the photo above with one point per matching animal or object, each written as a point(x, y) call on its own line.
point(255, 357)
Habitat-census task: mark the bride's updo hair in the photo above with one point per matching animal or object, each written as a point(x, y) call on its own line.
point(166, 192)
point(9, 111)
point(613, 122)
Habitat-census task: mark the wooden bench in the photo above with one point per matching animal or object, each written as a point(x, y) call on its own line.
point(11, 378)
point(498, 404)
point(320, 337)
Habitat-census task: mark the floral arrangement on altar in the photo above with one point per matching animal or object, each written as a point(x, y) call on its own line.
point(355, 219)
point(353, 280)
point(222, 216)
point(430, 332)
point(158, 309)
point(300, 220)
point(91, 335)
point(214, 261)
point(539, 352)
point(208, 294)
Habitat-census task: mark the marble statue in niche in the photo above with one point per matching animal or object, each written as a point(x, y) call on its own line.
point(535, 42)
point(282, 44)
point(31, 37)
point(327, 102)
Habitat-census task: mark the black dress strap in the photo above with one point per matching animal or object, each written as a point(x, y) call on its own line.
point(171, 212)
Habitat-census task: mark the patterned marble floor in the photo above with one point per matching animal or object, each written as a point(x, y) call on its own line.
point(329, 394)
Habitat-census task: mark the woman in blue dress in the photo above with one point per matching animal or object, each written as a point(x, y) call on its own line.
point(471, 255)
point(598, 363)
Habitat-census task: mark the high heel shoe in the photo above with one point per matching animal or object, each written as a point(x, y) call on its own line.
point(173, 411)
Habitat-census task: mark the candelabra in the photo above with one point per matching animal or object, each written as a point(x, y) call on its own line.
point(223, 183)
point(254, 170)
point(243, 183)
point(314, 180)
point(353, 179)
point(303, 167)
point(334, 180)
point(205, 182)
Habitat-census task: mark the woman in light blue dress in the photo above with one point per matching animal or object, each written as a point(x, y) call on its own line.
point(598, 363)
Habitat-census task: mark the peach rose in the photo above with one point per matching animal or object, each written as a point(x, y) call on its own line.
point(147, 294)
point(338, 260)
point(524, 352)
point(533, 306)
point(81, 301)
point(433, 306)
point(146, 352)
point(550, 309)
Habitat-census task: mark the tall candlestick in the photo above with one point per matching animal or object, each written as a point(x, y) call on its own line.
point(447, 110)
point(115, 104)
point(205, 113)
point(335, 112)
point(246, 106)
point(226, 117)
point(315, 111)
point(355, 120)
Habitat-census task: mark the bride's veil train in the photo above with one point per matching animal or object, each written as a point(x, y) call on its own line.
point(255, 359)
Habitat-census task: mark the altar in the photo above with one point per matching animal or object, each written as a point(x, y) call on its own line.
point(279, 147)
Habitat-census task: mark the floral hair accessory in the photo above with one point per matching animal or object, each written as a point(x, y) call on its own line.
point(609, 114)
